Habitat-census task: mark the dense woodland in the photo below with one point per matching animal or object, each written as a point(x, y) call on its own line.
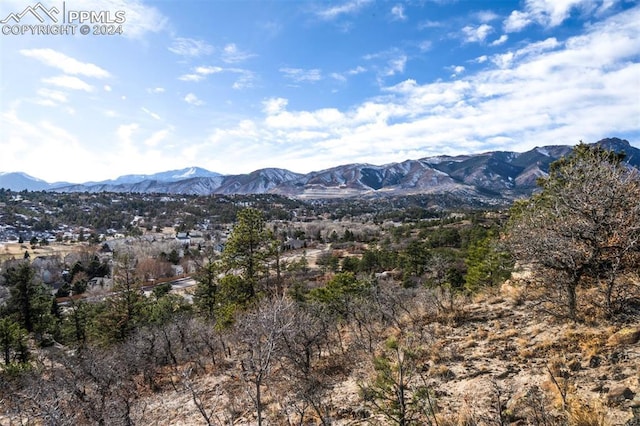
point(272, 335)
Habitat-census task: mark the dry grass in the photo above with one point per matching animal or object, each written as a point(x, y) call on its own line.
point(10, 250)
point(583, 414)
point(442, 372)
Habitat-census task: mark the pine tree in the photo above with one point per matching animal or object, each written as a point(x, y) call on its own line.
point(249, 248)
point(30, 300)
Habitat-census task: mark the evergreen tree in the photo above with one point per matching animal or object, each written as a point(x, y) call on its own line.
point(30, 300)
point(12, 340)
point(398, 392)
point(487, 264)
point(249, 248)
point(206, 297)
point(124, 308)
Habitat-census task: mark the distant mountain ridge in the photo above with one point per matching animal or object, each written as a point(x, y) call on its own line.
point(490, 175)
point(168, 176)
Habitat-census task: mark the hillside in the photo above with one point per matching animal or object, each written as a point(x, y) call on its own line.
point(487, 358)
point(491, 360)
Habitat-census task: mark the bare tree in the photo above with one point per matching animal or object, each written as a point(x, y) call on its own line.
point(307, 383)
point(582, 230)
point(260, 335)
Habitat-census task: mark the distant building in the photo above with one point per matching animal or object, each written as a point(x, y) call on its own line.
point(183, 238)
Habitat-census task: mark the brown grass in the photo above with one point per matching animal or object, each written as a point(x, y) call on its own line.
point(583, 414)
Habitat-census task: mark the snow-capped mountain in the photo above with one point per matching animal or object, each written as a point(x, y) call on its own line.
point(495, 175)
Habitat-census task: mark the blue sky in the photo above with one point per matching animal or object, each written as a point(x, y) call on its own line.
point(234, 86)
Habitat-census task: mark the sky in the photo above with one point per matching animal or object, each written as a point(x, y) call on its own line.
point(235, 86)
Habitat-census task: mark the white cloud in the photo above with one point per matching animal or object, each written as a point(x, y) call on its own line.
point(425, 45)
point(503, 38)
point(231, 54)
point(430, 24)
point(299, 75)
point(200, 73)
point(476, 34)
point(396, 66)
point(54, 96)
point(191, 77)
point(551, 13)
point(539, 47)
point(190, 47)
point(351, 72)
point(65, 63)
point(150, 113)
point(387, 63)
point(504, 60)
point(357, 70)
point(125, 133)
point(397, 12)
point(39, 144)
point(457, 70)
point(157, 137)
point(245, 79)
point(338, 76)
point(68, 82)
point(485, 16)
point(156, 90)
point(348, 7)
point(517, 21)
point(193, 100)
point(273, 106)
point(207, 70)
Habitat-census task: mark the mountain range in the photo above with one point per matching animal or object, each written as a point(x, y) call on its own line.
point(490, 175)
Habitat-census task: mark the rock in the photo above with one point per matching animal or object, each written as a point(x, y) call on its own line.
point(614, 357)
point(574, 366)
point(595, 361)
point(503, 375)
point(619, 393)
point(625, 336)
point(619, 376)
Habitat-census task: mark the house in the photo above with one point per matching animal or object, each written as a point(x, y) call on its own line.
point(196, 237)
point(100, 282)
point(177, 270)
point(295, 243)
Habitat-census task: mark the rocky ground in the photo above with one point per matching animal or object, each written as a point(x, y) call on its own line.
point(495, 360)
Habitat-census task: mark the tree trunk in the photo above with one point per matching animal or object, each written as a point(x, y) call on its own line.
point(258, 403)
point(572, 304)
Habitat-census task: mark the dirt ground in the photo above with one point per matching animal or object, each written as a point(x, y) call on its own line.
point(11, 250)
